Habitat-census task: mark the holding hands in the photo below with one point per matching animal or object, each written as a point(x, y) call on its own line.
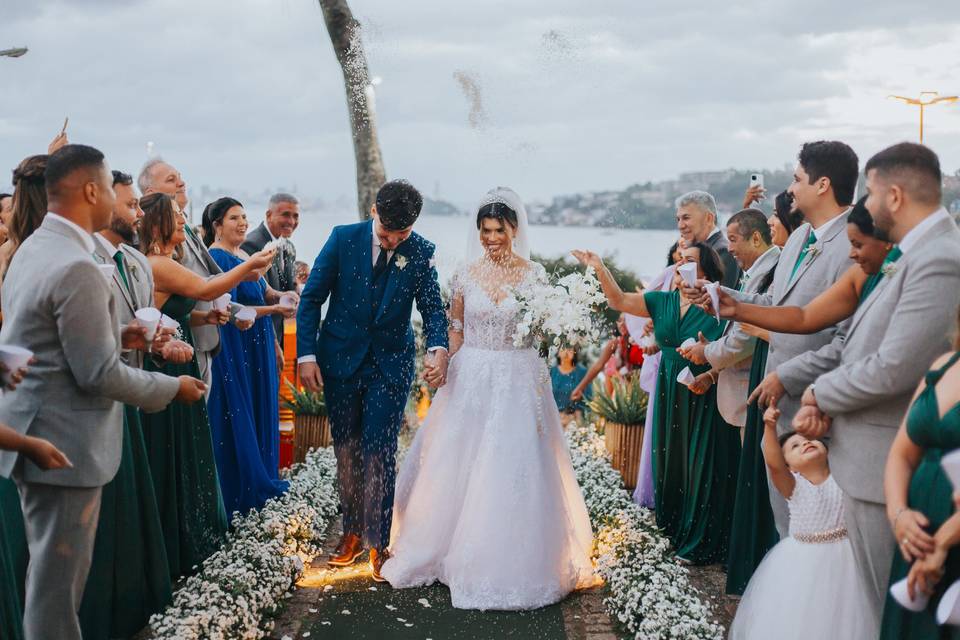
point(435, 368)
point(810, 421)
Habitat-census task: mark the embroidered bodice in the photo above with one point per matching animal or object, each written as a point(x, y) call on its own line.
point(816, 510)
point(489, 324)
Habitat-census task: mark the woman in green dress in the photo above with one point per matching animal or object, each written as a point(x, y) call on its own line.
point(920, 503)
point(178, 439)
point(695, 452)
point(129, 575)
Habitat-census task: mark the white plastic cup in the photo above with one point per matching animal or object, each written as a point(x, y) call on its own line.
point(246, 314)
point(222, 303)
point(149, 317)
point(168, 323)
point(948, 611)
point(688, 271)
point(686, 344)
point(14, 358)
point(107, 271)
point(288, 300)
point(686, 377)
point(951, 466)
point(713, 289)
point(899, 593)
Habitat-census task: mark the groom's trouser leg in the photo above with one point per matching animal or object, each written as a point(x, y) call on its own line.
point(873, 548)
point(383, 403)
point(61, 525)
point(344, 410)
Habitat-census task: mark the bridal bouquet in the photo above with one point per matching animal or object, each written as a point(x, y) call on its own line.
point(560, 315)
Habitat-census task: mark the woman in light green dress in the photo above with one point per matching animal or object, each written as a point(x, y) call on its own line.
point(695, 453)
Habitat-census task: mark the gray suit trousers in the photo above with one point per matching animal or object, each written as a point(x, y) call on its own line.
point(61, 524)
point(873, 547)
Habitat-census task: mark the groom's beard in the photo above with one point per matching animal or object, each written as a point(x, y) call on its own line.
point(127, 232)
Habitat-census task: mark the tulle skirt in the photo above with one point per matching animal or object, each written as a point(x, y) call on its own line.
point(486, 500)
point(805, 591)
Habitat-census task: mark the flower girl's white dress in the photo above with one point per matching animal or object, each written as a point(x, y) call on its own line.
point(486, 499)
point(808, 586)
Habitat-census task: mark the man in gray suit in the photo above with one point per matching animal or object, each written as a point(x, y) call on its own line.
point(697, 222)
point(58, 304)
point(750, 244)
point(815, 256)
point(282, 219)
point(893, 337)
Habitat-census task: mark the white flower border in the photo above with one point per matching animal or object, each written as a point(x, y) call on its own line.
point(650, 593)
point(240, 586)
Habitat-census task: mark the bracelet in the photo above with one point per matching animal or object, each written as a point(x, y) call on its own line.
point(897, 515)
point(710, 373)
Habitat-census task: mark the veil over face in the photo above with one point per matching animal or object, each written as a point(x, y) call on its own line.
point(521, 240)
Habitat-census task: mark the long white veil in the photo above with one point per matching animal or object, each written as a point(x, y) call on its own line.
point(521, 242)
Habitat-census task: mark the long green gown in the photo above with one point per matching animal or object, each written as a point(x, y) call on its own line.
point(695, 452)
point(930, 493)
point(13, 562)
point(180, 449)
point(754, 531)
point(129, 576)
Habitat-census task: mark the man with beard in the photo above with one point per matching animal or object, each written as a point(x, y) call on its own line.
point(893, 337)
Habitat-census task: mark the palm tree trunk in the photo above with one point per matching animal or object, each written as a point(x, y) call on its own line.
point(344, 33)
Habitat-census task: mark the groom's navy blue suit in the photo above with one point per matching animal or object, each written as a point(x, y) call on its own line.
point(365, 350)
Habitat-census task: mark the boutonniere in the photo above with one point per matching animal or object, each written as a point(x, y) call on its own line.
point(814, 251)
point(134, 270)
point(889, 269)
point(401, 262)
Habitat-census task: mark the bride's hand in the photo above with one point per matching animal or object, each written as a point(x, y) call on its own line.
point(588, 258)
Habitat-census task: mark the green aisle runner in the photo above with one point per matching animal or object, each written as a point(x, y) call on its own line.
point(400, 615)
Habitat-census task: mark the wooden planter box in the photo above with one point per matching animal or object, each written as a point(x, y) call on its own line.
point(310, 432)
point(625, 442)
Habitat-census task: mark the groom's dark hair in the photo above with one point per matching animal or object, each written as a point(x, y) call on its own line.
point(398, 205)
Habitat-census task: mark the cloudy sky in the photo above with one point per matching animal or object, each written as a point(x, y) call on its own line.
point(569, 95)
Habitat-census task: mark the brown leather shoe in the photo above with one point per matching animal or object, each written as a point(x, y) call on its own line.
point(377, 558)
point(347, 552)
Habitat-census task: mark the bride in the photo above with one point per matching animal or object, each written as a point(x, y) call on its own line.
point(486, 499)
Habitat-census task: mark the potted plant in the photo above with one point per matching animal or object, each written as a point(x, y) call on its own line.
point(311, 427)
point(623, 411)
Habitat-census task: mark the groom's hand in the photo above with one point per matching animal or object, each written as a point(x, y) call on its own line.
point(310, 376)
point(435, 369)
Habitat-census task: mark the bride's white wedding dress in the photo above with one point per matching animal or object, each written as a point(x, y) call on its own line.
point(486, 499)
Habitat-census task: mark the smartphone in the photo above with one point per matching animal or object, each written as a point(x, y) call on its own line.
point(756, 180)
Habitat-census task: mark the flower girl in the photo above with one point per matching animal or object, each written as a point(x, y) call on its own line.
point(808, 585)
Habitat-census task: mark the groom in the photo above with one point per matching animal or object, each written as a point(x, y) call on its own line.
point(372, 272)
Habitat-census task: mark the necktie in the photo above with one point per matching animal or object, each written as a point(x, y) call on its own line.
point(118, 258)
point(811, 239)
point(381, 264)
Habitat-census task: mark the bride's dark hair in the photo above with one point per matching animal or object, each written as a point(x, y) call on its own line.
point(497, 211)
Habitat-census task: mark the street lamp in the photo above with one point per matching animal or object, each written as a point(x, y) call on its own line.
point(13, 53)
point(926, 99)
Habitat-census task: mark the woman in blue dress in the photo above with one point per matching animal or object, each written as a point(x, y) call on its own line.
point(243, 405)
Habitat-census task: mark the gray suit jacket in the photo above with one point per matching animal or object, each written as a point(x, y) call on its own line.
point(732, 352)
point(281, 275)
point(138, 296)
point(57, 304)
point(894, 336)
point(800, 359)
point(197, 258)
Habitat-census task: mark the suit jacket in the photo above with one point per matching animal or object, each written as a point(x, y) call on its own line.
point(800, 359)
point(58, 304)
point(281, 275)
point(732, 352)
point(197, 258)
point(894, 336)
point(353, 326)
point(731, 270)
point(139, 294)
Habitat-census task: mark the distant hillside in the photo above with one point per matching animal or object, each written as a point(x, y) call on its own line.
point(650, 205)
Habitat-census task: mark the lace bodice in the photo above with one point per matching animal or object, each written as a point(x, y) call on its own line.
point(488, 324)
point(815, 509)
